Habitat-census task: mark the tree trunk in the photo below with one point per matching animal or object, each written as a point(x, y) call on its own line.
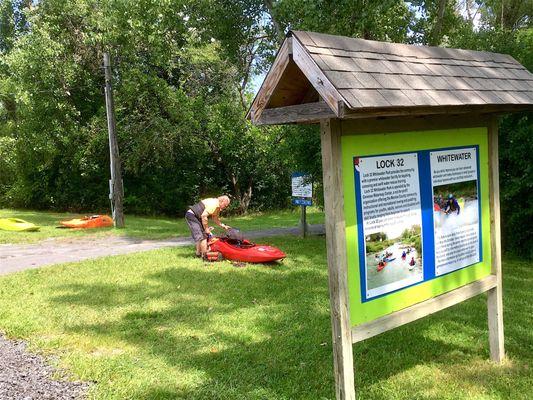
point(243, 199)
point(280, 35)
point(246, 198)
point(436, 35)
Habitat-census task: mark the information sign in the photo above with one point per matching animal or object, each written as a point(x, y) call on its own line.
point(302, 189)
point(415, 219)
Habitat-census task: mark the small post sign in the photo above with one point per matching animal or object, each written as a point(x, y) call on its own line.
point(302, 189)
point(302, 195)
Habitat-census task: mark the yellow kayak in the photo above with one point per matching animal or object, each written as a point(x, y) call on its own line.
point(18, 225)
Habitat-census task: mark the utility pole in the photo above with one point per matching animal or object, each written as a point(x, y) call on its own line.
point(116, 188)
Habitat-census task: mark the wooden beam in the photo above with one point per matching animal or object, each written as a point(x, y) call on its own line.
point(309, 112)
point(361, 116)
point(271, 81)
point(495, 296)
point(337, 263)
point(317, 78)
point(372, 112)
point(410, 123)
point(420, 310)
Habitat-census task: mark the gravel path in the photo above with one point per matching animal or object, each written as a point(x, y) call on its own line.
point(26, 376)
point(14, 258)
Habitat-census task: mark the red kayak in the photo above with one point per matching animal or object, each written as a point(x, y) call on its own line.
point(244, 250)
point(380, 267)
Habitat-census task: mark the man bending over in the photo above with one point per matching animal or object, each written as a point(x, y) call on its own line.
point(197, 218)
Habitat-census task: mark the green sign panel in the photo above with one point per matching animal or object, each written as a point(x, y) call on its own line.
point(417, 216)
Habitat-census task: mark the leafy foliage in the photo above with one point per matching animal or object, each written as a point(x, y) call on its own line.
point(516, 180)
point(184, 77)
point(180, 119)
point(384, 20)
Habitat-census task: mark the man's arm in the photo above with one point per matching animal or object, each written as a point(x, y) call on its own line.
point(205, 222)
point(216, 219)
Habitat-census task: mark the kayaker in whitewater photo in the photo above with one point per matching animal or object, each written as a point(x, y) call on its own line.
point(197, 217)
point(452, 205)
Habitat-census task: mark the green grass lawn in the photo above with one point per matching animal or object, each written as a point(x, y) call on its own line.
point(164, 325)
point(145, 227)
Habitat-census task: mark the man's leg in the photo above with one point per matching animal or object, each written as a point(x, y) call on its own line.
point(197, 233)
point(203, 247)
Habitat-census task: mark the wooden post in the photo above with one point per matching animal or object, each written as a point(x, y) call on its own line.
point(495, 295)
point(303, 221)
point(116, 186)
point(337, 263)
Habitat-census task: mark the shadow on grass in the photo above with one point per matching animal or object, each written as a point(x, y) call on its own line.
point(204, 326)
point(257, 333)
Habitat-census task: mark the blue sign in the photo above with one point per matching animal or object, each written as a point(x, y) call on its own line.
point(299, 201)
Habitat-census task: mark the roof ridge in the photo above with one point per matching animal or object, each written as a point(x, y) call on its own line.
point(368, 78)
point(382, 45)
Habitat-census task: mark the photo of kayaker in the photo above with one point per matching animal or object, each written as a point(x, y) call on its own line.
point(455, 204)
point(393, 262)
point(456, 224)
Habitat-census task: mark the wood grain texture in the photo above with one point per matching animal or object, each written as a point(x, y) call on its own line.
point(317, 78)
point(420, 310)
point(425, 110)
point(495, 295)
point(337, 263)
point(116, 184)
point(365, 79)
point(291, 88)
point(269, 84)
point(364, 115)
point(301, 113)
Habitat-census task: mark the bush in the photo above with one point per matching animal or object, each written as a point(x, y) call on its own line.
point(516, 183)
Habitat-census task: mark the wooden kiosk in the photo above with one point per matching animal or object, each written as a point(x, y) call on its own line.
point(410, 166)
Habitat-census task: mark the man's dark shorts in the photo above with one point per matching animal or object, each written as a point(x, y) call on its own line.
point(195, 225)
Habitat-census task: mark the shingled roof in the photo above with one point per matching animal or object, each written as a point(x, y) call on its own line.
point(356, 76)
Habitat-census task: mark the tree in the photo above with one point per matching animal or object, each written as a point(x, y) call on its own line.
point(182, 86)
point(177, 105)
